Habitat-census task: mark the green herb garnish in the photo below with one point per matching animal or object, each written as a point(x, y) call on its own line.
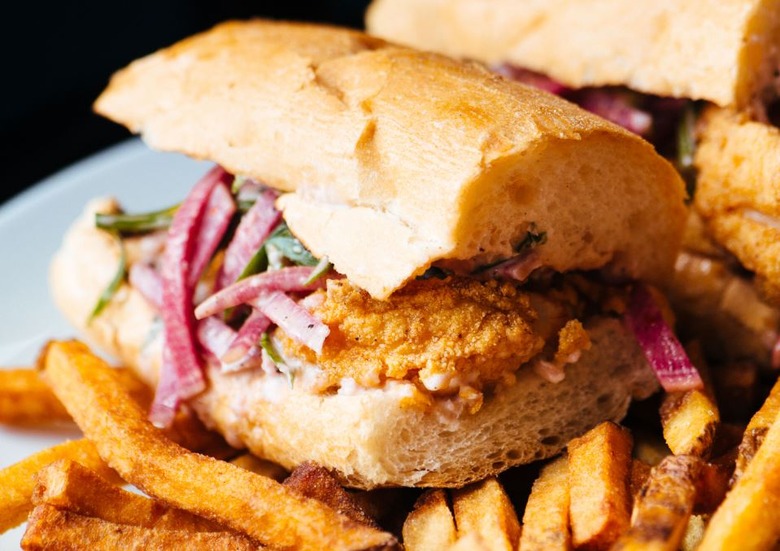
point(289, 247)
point(126, 224)
point(279, 245)
point(276, 357)
point(109, 292)
point(238, 182)
point(322, 268)
point(686, 146)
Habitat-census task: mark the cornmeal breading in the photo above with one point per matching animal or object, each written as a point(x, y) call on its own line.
point(439, 333)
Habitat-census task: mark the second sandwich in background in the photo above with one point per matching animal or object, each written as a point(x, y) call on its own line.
point(698, 79)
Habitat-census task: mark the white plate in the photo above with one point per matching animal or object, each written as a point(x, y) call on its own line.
point(31, 228)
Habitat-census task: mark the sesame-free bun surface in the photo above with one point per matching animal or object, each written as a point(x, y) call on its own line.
point(724, 51)
point(738, 192)
point(394, 159)
point(368, 437)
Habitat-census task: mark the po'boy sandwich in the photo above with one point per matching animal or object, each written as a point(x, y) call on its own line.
point(403, 267)
point(642, 65)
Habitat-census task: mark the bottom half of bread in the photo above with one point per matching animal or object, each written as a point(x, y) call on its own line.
point(369, 437)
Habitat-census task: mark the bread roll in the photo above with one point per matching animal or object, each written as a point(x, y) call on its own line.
point(368, 437)
point(724, 51)
point(394, 159)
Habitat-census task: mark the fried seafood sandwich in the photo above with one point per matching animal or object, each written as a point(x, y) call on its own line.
point(403, 267)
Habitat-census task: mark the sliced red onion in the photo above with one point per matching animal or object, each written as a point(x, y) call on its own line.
point(215, 221)
point(215, 336)
point(293, 319)
point(246, 340)
point(254, 228)
point(616, 107)
point(531, 78)
point(147, 281)
point(517, 268)
point(289, 279)
point(663, 351)
point(181, 376)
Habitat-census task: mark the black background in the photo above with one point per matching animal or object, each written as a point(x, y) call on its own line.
point(57, 57)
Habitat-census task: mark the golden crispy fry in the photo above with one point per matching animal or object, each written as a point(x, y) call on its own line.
point(546, 517)
point(68, 485)
point(664, 505)
point(26, 400)
point(18, 480)
point(52, 528)
point(690, 419)
point(260, 466)
point(599, 476)
point(430, 526)
point(311, 480)
point(484, 508)
point(241, 500)
point(471, 542)
point(756, 431)
point(640, 472)
point(749, 517)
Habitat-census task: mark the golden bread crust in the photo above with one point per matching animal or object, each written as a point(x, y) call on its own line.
point(395, 159)
point(723, 51)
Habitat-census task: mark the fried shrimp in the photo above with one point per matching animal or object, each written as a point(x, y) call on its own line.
point(439, 333)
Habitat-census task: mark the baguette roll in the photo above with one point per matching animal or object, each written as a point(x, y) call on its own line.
point(723, 51)
point(394, 160)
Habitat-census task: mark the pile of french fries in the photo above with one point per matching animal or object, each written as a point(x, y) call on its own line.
point(706, 484)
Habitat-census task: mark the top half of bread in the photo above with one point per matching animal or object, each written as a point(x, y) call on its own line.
point(393, 159)
point(724, 51)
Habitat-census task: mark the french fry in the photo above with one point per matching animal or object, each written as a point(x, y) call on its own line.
point(248, 503)
point(52, 528)
point(26, 400)
point(599, 471)
point(749, 517)
point(690, 419)
point(471, 542)
point(483, 508)
point(664, 505)
point(314, 481)
point(430, 526)
point(640, 472)
point(756, 430)
point(17, 482)
point(546, 517)
point(70, 486)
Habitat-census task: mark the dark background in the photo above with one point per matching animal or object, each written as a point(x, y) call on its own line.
point(57, 57)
